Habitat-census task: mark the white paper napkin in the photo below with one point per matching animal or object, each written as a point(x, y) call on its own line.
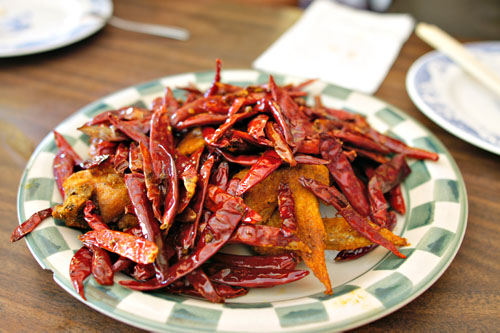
point(339, 45)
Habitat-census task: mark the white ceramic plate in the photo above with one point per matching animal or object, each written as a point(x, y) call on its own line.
point(364, 289)
point(33, 26)
point(456, 101)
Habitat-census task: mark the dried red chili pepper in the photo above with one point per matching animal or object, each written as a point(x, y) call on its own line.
point(135, 248)
point(153, 190)
point(396, 200)
point(281, 261)
point(187, 168)
point(213, 88)
point(62, 168)
point(122, 264)
point(200, 282)
point(256, 278)
point(144, 272)
point(286, 207)
point(221, 176)
point(265, 165)
point(331, 196)
point(80, 268)
point(93, 162)
point(120, 162)
point(211, 104)
point(30, 224)
point(308, 159)
point(216, 198)
point(64, 145)
point(201, 119)
point(94, 221)
point(360, 140)
point(279, 144)
point(102, 270)
point(232, 186)
point(344, 176)
point(172, 194)
point(149, 225)
point(257, 125)
point(160, 134)
point(216, 233)
point(131, 129)
point(266, 236)
point(282, 122)
point(385, 178)
point(346, 255)
point(397, 146)
point(245, 160)
point(203, 180)
point(135, 158)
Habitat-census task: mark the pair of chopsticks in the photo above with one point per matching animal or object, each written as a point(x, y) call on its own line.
point(443, 42)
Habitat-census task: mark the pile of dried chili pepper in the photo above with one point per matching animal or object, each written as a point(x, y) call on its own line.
point(164, 189)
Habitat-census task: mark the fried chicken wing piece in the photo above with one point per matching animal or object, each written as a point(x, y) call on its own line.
point(341, 236)
point(101, 184)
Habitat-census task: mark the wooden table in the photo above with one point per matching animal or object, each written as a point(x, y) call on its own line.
point(37, 92)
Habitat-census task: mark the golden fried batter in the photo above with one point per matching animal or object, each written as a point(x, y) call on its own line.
point(191, 142)
point(341, 236)
point(103, 185)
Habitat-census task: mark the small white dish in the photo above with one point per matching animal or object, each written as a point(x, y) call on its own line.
point(456, 101)
point(33, 26)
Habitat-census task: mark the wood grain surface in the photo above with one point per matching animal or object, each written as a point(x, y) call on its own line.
point(38, 92)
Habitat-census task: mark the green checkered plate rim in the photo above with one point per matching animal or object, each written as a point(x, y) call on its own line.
point(364, 290)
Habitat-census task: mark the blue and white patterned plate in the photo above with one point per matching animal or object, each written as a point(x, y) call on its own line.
point(364, 290)
point(33, 26)
point(456, 101)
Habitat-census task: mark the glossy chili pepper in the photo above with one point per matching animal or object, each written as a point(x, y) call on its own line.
point(282, 122)
point(212, 104)
point(201, 119)
point(361, 141)
point(94, 221)
point(149, 225)
point(346, 255)
point(169, 101)
point(63, 145)
point(135, 158)
point(233, 142)
point(229, 123)
point(267, 236)
point(334, 113)
point(256, 278)
point(221, 176)
point(213, 88)
point(200, 282)
point(144, 272)
point(232, 186)
point(62, 168)
point(396, 200)
point(216, 233)
point(80, 268)
point(172, 184)
point(93, 162)
point(344, 176)
point(101, 147)
point(160, 134)
point(279, 144)
point(331, 196)
point(122, 264)
point(152, 182)
point(310, 146)
point(216, 198)
point(281, 261)
point(308, 159)
point(265, 165)
point(397, 146)
point(203, 180)
point(30, 224)
point(187, 168)
point(126, 113)
point(102, 270)
point(223, 290)
point(120, 162)
point(257, 125)
point(245, 160)
point(286, 207)
point(384, 179)
point(376, 157)
point(131, 129)
point(135, 248)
